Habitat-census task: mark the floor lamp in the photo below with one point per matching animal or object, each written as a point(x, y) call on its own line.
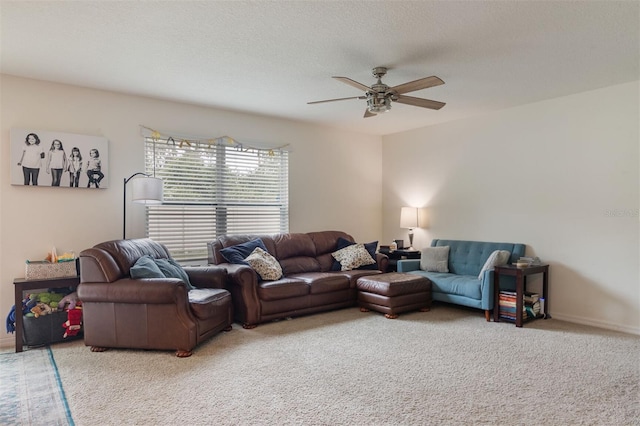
point(409, 219)
point(146, 190)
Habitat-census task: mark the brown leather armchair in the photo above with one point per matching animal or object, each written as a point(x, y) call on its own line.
point(148, 313)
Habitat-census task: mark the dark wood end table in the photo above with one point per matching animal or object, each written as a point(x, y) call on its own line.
point(400, 254)
point(521, 274)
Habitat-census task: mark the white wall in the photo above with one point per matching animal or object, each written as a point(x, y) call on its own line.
point(560, 176)
point(334, 175)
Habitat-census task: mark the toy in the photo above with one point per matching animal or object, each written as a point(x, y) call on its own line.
point(73, 323)
point(41, 309)
point(71, 299)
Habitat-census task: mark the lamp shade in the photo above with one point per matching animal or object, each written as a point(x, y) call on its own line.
point(147, 190)
point(409, 217)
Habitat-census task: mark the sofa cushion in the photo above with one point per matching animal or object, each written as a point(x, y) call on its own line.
point(435, 259)
point(324, 282)
point(467, 257)
point(353, 257)
point(239, 252)
point(496, 258)
point(461, 285)
point(171, 269)
point(264, 264)
point(206, 302)
point(370, 247)
point(145, 267)
point(282, 289)
point(148, 267)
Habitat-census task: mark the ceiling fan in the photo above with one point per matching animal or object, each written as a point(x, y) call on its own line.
point(379, 96)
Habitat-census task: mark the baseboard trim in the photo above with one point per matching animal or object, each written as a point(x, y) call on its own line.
point(599, 324)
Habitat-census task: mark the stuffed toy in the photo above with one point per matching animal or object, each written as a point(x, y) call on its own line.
point(41, 309)
point(71, 299)
point(73, 323)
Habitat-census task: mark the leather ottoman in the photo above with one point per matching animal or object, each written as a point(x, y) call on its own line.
point(393, 293)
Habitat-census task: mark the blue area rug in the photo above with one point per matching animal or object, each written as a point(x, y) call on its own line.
point(30, 390)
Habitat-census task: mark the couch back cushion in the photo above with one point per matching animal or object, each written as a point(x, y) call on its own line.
point(326, 242)
point(296, 253)
point(126, 253)
point(468, 257)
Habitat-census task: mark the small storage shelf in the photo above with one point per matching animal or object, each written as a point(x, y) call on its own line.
point(521, 274)
point(21, 285)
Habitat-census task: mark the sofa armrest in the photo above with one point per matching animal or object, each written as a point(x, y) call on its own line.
point(486, 290)
point(206, 276)
point(242, 283)
point(137, 291)
point(406, 265)
point(383, 262)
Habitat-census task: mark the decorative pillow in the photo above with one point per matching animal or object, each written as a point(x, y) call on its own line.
point(435, 259)
point(264, 264)
point(171, 269)
point(148, 267)
point(497, 258)
point(370, 247)
point(239, 252)
point(145, 267)
point(353, 257)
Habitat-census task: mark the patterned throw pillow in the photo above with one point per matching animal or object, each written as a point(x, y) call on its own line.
point(353, 257)
point(371, 248)
point(264, 264)
point(497, 258)
point(435, 259)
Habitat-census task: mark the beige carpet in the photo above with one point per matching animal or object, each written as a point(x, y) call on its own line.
point(444, 367)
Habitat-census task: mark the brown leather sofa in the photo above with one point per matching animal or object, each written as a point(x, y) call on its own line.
point(148, 313)
point(308, 284)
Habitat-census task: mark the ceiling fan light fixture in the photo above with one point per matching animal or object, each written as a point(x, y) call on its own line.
point(377, 105)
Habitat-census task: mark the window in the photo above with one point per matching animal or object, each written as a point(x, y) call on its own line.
point(214, 188)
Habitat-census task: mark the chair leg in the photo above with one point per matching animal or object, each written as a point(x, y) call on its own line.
point(183, 354)
point(228, 328)
point(98, 349)
point(487, 315)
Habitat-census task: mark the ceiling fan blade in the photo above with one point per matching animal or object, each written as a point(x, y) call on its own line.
point(338, 99)
point(419, 102)
point(353, 83)
point(368, 113)
point(420, 84)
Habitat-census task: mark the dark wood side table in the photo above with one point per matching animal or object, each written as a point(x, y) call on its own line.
point(21, 285)
point(521, 285)
point(400, 254)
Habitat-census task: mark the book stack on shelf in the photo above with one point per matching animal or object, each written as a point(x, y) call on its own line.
point(531, 308)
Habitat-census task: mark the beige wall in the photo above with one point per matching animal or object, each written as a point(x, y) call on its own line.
point(560, 176)
point(334, 175)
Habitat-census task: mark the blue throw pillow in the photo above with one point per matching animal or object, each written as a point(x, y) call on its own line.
point(148, 267)
point(371, 248)
point(145, 267)
point(238, 253)
point(171, 269)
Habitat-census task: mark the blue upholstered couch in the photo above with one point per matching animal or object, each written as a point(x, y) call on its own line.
point(461, 285)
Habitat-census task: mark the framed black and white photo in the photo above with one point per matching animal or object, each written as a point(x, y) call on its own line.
point(48, 158)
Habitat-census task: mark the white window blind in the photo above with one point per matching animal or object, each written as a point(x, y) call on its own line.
point(213, 189)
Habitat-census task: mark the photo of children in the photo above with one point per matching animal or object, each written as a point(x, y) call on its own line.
point(93, 168)
point(36, 152)
point(75, 167)
point(31, 159)
point(56, 162)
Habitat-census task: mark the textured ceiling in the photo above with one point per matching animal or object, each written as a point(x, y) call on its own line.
point(272, 57)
